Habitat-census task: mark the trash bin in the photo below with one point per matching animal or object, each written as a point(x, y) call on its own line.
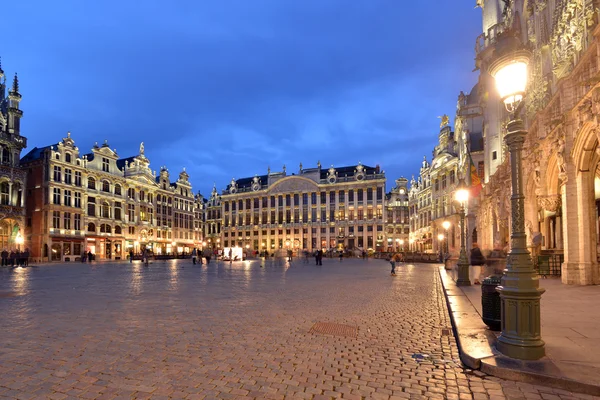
point(490, 302)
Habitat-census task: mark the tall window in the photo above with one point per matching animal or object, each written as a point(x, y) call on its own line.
point(91, 183)
point(67, 199)
point(105, 210)
point(105, 164)
point(68, 176)
point(56, 219)
point(359, 194)
point(68, 157)
point(105, 186)
point(77, 178)
point(56, 196)
point(77, 200)
point(67, 220)
point(313, 198)
point(91, 206)
point(57, 177)
point(379, 193)
point(131, 212)
point(118, 189)
point(350, 196)
point(4, 196)
point(117, 211)
point(369, 194)
point(77, 222)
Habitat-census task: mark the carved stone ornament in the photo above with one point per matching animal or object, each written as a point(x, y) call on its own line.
point(255, 183)
point(331, 175)
point(233, 186)
point(550, 203)
point(560, 159)
point(294, 184)
point(571, 21)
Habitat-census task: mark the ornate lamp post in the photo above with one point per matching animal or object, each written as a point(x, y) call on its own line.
point(520, 293)
point(19, 241)
point(462, 196)
point(441, 244)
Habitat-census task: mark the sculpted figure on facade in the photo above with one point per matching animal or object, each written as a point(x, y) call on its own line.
point(560, 159)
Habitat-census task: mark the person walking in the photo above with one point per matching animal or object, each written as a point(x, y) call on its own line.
point(145, 257)
point(396, 258)
point(341, 255)
point(12, 256)
point(207, 254)
point(230, 254)
point(194, 255)
point(26, 257)
point(290, 255)
point(89, 256)
point(130, 256)
point(477, 260)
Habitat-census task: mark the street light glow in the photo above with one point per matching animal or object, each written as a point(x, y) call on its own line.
point(441, 237)
point(446, 225)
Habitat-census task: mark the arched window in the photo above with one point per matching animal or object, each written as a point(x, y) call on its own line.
point(149, 197)
point(105, 211)
point(68, 157)
point(57, 156)
point(106, 186)
point(118, 230)
point(4, 195)
point(105, 228)
point(142, 195)
point(91, 227)
point(91, 183)
point(118, 189)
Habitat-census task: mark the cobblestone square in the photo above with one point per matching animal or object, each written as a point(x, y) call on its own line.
point(174, 330)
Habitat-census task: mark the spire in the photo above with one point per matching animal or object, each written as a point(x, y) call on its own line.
point(15, 86)
point(1, 70)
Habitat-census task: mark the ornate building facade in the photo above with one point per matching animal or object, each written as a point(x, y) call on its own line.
point(12, 177)
point(420, 210)
point(397, 219)
point(103, 204)
point(335, 208)
point(561, 153)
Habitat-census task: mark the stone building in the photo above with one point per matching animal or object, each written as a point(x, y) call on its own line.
point(396, 217)
point(420, 211)
point(213, 221)
point(103, 204)
point(12, 177)
point(561, 153)
point(335, 208)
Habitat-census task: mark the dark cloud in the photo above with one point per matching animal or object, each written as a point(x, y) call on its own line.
point(227, 88)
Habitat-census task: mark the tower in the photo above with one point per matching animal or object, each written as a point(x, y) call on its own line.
point(14, 113)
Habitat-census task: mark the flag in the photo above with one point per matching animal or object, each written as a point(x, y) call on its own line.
point(474, 177)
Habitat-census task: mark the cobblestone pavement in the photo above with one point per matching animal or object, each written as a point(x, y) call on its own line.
point(178, 331)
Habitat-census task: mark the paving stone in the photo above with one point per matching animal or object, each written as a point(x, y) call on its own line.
point(110, 330)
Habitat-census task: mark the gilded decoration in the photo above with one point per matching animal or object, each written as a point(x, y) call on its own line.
point(538, 86)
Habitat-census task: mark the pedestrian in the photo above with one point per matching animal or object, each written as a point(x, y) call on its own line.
point(207, 254)
point(341, 255)
point(364, 255)
point(305, 254)
point(11, 256)
point(89, 256)
point(396, 258)
point(194, 255)
point(130, 256)
point(477, 260)
point(290, 254)
point(4, 255)
point(145, 257)
point(26, 257)
point(319, 257)
point(230, 255)
point(83, 257)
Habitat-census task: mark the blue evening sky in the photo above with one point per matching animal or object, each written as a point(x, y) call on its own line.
point(227, 88)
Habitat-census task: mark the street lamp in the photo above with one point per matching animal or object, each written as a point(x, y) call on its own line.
point(462, 196)
point(19, 240)
point(519, 290)
point(446, 226)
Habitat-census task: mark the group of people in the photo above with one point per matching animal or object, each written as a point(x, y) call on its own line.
point(15, 258)
point(87, 257)
point(207, 254)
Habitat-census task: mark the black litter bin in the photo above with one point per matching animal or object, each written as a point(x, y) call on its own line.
point(490, 302)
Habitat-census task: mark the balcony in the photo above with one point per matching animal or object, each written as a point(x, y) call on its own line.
point(485, 40)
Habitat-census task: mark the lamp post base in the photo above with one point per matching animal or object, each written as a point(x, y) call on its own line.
point(463, 274)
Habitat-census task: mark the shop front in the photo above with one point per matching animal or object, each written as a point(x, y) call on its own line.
point(104, 248)
point(64, 249)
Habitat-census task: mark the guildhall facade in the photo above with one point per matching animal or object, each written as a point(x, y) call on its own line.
point(315, 208)
point(106, 205)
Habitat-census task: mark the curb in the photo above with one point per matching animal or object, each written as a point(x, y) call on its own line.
point(500, 366)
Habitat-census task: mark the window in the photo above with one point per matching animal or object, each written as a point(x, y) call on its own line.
point(323, 197)
point(56, 219)
point(280, 201)
point(132, 230)
point(359, 194)
point(118, 230)
point(91, 206)
point(105, 164)
point(117, 215)
point(77, 200)
point(105, 186)
point(452, 177)
point(67, 220)
point(4, 196)
point(77, 178)
point(443, 181)
point(105, 228)
point(68, 175)
point(142, 195)
point(105, 210)
point(370, 194)
point(91, 183)
point(342, 196)
point(313, 198)
point(56, 196)
point(118, 189)
point(480, 169)
point(351, 196)
point(379, 193)
point(67, 198)
point(494, 155)
point(57, 177)
point(68, 157)
point(77, 222)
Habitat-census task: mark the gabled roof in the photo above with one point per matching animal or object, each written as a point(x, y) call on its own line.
point(121, 162)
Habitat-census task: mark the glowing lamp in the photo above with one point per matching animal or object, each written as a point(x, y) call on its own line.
point(510, 74)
